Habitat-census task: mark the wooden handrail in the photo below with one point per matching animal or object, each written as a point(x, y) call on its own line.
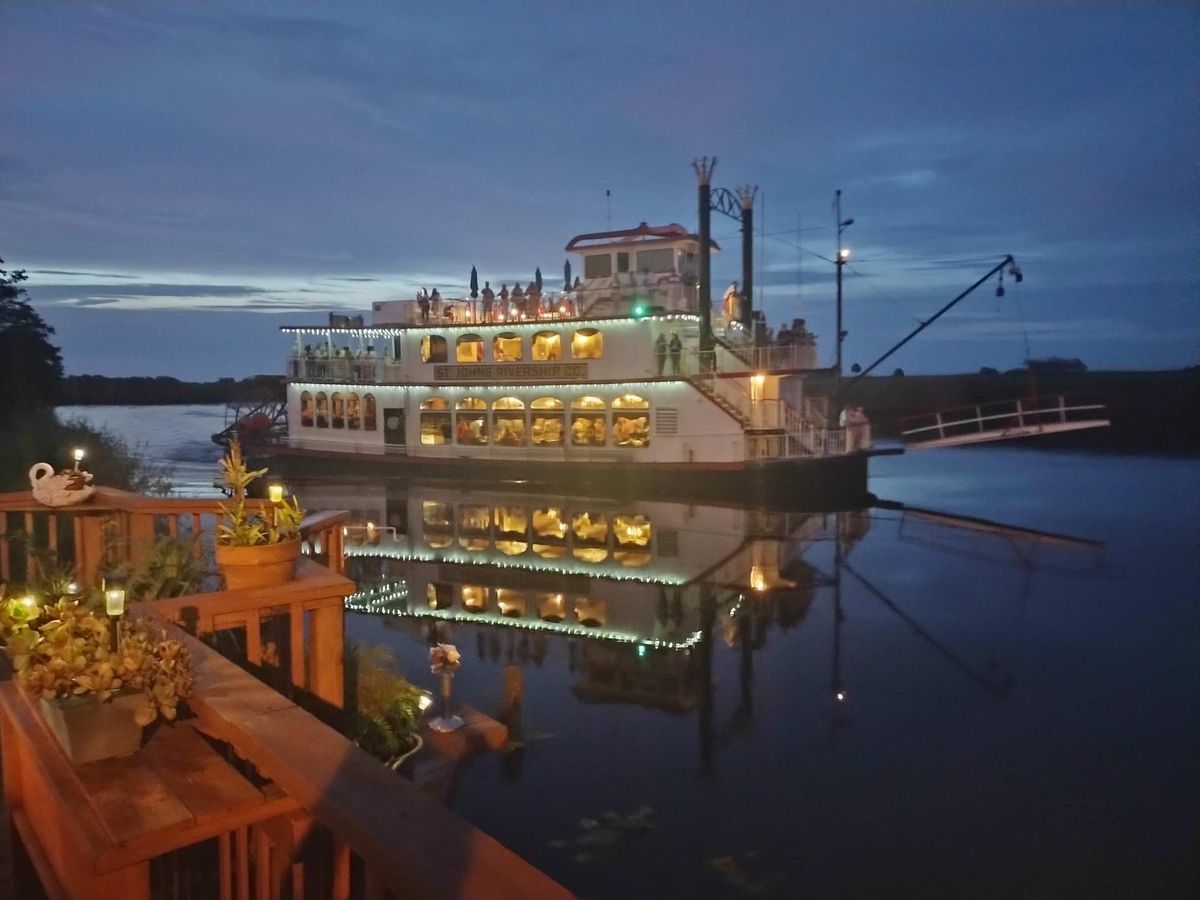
point(407, 840)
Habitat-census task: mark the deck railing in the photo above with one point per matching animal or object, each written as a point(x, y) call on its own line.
point(1016, 418)
point(329, 821)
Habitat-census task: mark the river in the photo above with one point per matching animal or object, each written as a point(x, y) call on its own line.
point(912, 703)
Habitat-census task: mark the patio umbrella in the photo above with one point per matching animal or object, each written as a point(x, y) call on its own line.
point(474, 283)
point(567, 275)
point(537, 278)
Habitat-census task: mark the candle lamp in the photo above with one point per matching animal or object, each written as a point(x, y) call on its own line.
point(77, 453)
point(275, 493)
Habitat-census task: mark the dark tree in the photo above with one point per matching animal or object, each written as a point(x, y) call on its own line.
point(31, 368)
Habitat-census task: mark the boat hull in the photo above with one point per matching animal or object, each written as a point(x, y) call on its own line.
point(832, 482)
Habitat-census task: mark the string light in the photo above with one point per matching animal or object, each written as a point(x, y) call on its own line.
point(380, 600)
point(397, 331)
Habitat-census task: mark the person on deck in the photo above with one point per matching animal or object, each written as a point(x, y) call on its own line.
point(731, 303)
point(423, 304)
point(660, 353)
point(676, 350)
point(489, 296)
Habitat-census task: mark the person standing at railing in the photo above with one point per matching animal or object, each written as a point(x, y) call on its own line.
point(660, 353)
point(489, 297)
point(675, 348)
point(730, 303)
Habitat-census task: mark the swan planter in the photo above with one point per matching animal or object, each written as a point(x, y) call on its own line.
point(66, 488)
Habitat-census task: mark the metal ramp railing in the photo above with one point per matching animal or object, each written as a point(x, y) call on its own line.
point(1026, 417)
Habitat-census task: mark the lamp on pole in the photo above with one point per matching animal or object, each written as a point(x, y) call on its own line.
point(840, 261)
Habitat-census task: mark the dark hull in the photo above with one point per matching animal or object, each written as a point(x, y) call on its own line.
point(835, 482)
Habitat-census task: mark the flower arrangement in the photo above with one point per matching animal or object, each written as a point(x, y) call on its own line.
point(63, 650)
point(444, 659)
point(240, 528)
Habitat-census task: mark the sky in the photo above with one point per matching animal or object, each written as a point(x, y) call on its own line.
point(179, 179)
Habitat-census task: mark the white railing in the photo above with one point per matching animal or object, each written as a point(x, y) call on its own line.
point(1006, 417)
point(360, 370)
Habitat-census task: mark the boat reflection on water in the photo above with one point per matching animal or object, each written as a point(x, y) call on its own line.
point(639, 590)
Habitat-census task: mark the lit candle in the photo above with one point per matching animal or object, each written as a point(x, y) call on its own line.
point(78, 454)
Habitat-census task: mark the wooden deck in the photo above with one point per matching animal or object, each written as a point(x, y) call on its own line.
point(255, 797)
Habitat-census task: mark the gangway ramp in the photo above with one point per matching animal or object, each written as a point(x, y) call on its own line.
point(1001, 421)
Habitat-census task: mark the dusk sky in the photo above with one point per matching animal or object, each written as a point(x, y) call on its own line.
point(181, 179)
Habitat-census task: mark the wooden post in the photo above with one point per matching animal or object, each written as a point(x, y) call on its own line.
point(296, 643)
point(328, 647)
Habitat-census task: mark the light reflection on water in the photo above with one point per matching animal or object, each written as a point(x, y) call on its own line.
point(1018, 713)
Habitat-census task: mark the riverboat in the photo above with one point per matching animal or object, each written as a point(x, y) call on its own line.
point(617, 383)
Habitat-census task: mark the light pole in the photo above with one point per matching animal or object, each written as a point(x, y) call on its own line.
point(840, 261)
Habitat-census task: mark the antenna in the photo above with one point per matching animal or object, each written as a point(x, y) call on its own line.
point(608, 208)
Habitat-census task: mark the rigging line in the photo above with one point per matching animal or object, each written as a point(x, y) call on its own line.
point(896, 303)
point(803, 249)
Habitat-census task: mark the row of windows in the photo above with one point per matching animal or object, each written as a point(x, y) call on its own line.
point(477, 598)
point(347, 410)
point(600, 265)
point(544, 346)
point(507, 426)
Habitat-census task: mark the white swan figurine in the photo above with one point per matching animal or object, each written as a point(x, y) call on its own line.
point(64, 489)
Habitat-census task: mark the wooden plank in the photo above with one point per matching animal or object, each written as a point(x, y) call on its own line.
point(296, 643)
point(52, 534)
point(225, 865)
point(328, 644)
point(41, 865)
point(262, 864)
point(173, 526)
point(29, 541)
point(131, 800)
point(242, 884)
point(254, 638)
point(204, 782)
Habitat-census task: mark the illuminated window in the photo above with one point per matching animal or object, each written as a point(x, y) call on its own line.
point(433, 349)
point(437, 516)
point(511, 521)
point(510, 603)
point(549, 523)
point(590, 554)
point(511, 548)
point(306, 409)
point(588, 402)
point(469, 349)
point(590, 528)
point(436, 430)
point(471, 423)
point(339, 410)
point(474, 527)
point(508, 403)
point(353, 412)
point(634, 559)
point(631, 401)
point(551, 607)
point(506, 347)
point(632, 531)
point(546, 428)
point(587, 343)
point(546, 347)
point(438, 524)
point(322, 410)
point(550, 551)
point(368, 412)
point(589, 612)
point(631, 431)
point(475, 598)
point(588, 430)
point(439, 595)
point(434, 403)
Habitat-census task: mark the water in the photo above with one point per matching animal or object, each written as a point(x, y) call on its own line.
point(1018, 713)
point(178, 436)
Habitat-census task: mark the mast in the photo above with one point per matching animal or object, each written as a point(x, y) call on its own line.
point(704, 169)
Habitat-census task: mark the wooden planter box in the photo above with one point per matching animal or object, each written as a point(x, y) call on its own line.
point(89, 730)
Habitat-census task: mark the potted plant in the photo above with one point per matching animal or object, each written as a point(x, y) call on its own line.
point(95, 698)
point(254, 549)
point(385, 708)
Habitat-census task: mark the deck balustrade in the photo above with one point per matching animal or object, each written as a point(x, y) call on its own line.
point(256, 796)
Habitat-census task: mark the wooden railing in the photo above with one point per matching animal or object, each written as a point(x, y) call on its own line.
point(315, 816)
